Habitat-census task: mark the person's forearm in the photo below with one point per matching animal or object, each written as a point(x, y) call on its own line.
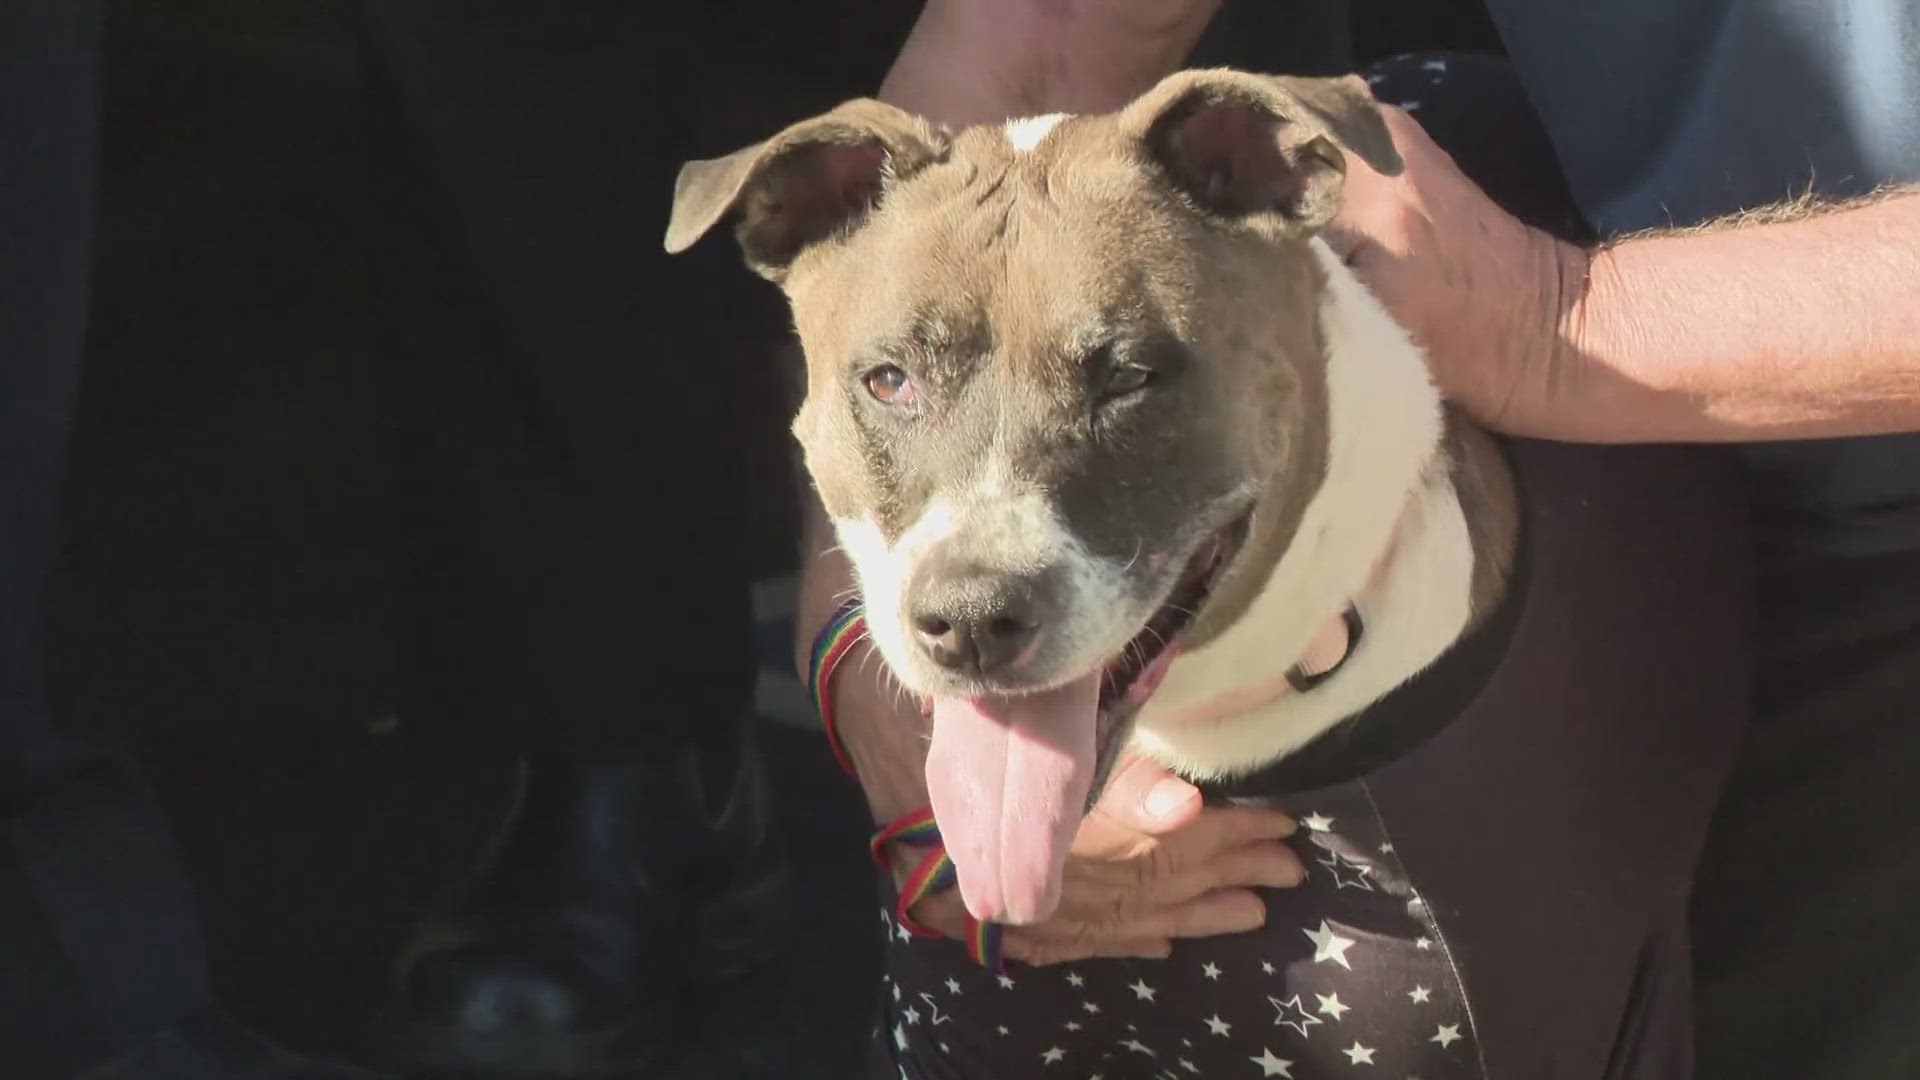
point(984, 61)
point(1801, 328)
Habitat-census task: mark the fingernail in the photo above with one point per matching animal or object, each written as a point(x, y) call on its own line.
point(1170, 796)
point(1284, 872)
point(1244, 912)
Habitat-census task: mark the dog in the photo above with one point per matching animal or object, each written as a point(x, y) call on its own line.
point(1123, 455)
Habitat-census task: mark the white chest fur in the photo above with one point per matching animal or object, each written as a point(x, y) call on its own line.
point(1385, 529)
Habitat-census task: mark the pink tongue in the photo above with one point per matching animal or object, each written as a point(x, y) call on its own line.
point(1008, 778)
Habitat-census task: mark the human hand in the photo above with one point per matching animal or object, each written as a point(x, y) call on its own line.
point(1149, 865)
point(1494, 303)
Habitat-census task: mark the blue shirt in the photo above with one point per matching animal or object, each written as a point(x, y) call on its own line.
point(1673, 112)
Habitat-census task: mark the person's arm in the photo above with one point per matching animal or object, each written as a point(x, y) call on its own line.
point(1804, 325)
point(985, 61)
point(1796, 322)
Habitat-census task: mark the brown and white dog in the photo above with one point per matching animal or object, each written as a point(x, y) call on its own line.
point(1112, 438)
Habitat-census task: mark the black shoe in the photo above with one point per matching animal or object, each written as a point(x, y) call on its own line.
point(609, 894)
point(209, 1045)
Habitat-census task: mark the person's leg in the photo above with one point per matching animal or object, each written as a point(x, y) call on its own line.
point(102, 964)
point(97, 931)
point(1807, 952)
point(573, 588)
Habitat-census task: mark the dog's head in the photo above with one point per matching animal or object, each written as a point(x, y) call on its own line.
point(1055, 371)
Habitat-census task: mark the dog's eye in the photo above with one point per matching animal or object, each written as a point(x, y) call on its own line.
point(1124, 379)
point(889, 385)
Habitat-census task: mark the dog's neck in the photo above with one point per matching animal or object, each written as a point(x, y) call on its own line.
point(1385, 529)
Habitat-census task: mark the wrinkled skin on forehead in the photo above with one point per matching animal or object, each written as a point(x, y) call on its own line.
point(1005, 283)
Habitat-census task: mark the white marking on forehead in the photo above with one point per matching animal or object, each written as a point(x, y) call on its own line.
point(1027, 133)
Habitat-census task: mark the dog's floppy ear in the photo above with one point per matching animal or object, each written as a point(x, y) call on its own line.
point(1240, 143)
point(802, 185)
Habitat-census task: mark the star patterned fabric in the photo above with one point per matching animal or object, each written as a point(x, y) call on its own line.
point(1350, 977)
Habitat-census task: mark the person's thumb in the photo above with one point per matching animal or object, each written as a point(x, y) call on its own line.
point(1145, 797)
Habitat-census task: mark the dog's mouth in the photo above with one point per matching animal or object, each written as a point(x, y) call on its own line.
point(1131, 677)
point(1011, 776)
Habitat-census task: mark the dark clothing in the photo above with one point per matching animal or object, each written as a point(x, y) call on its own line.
point(98, 940)
point(1672, 113)
point(562, 450)
point(563, 445)
point(1507, 898)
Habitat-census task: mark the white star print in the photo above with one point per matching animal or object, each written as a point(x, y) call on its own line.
point(1189, 1066)
point(1210, 969)
point(912, 1015)
point(1302, 1019)
point(1330, 1004)
point(900, 1036)
point(1423, 943)
point(952, 987)
point(1316, 822)
point(1386, 849)
point(902, 932)
point(1052, 1055)
point(1139, 1047)
point(1266, 968)
point(933, 1007)
point(945, 1049)
point(1074, 980)
point(1002, 1029)
point(1218, 1026)
point(1073, 1025)
point(1092, 1009)
point(1328, 945)
point(896, 993)
point(1420, 994)
point(1005, 983)
point(1446, 1035)
point(1359, 1055)
point(1347, 873)
point(1272, 1066)
point(1141, 990)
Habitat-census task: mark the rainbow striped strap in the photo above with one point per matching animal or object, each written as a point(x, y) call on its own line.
point(934, 874)
point(915, 830)
point(845, 628)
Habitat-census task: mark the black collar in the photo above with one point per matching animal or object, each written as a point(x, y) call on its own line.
point(1408, 715)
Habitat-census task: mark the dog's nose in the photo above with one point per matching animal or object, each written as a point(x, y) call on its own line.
point(976, 622)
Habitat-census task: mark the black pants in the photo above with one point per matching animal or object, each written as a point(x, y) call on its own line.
point(1807, 953)
point(561, 454)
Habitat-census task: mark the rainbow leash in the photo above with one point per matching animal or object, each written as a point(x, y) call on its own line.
point(844, 629)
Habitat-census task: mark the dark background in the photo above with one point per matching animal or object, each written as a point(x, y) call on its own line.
point(215, 606)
